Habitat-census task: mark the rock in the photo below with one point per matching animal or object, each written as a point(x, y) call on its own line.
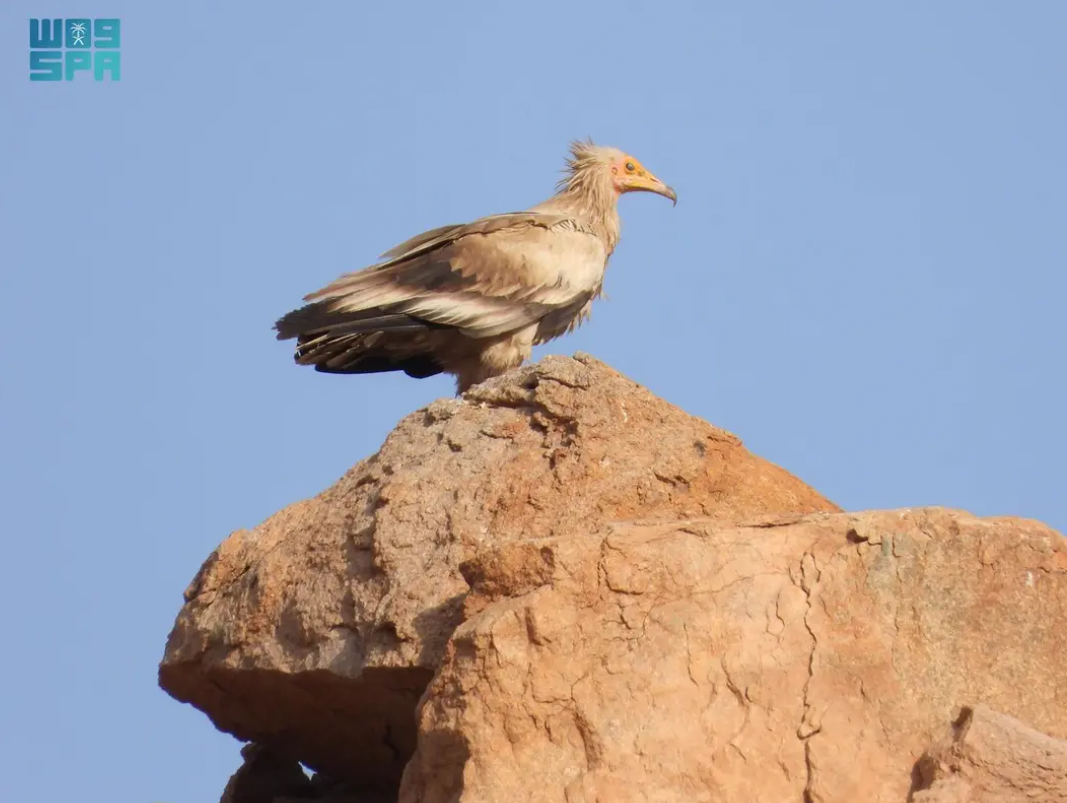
point(993, 758)
point(562, 588)
point(316, 633)
point(812, 659)
point(264, 776)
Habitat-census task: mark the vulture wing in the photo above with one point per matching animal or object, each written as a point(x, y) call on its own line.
point(496, 275)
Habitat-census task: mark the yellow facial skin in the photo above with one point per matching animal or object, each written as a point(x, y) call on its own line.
point(632, 176)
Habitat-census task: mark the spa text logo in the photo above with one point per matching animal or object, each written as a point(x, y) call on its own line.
point(60, 49)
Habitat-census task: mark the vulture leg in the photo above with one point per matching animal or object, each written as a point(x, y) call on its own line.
point(495, 357)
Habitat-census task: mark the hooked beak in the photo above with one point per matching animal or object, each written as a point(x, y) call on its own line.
point(650, 183)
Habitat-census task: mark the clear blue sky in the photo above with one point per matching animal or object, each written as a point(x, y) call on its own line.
point(864, 278)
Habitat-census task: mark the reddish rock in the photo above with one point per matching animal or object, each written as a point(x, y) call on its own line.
point(315, 633)
point(562, 588)
point(993, 758)
point(814, 659)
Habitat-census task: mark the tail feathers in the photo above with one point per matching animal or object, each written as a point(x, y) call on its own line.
point(317, 318)
point(363, 342)
point(419, 367)
point(365, 354)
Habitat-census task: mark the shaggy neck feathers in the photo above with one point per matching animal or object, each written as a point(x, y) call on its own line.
point(587, 190)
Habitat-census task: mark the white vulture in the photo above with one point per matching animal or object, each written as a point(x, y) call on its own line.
point(472, 300)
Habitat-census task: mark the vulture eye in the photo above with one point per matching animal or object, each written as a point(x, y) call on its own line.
point(630, 167)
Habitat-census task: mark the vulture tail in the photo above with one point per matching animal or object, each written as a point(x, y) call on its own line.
point(363, 342)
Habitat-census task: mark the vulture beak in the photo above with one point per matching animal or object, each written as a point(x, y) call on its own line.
point(667, 192)
point(649, 183)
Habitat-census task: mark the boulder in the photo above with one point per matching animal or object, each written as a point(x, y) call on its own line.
point(810, 659)
point(560, 587)
point(993, 758)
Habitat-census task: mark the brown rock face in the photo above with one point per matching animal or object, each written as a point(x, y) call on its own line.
point(316, 632)
point(809, 660)
point(562, 588)
point(993, 758)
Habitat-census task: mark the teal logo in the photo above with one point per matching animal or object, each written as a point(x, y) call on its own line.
point(60, 49)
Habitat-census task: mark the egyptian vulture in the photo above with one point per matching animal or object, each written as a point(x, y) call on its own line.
point(471, 300)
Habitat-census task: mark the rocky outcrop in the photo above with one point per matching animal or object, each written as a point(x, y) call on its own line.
point(993, 758)
point(562, 588)
point(805, 659)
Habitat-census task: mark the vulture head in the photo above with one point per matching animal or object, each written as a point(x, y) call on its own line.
point(591, 163)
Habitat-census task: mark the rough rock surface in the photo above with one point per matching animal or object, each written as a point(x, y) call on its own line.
point(814, 659)
point(316, 632)
point(264, 777)
point(561, 588)
point(993, 758)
